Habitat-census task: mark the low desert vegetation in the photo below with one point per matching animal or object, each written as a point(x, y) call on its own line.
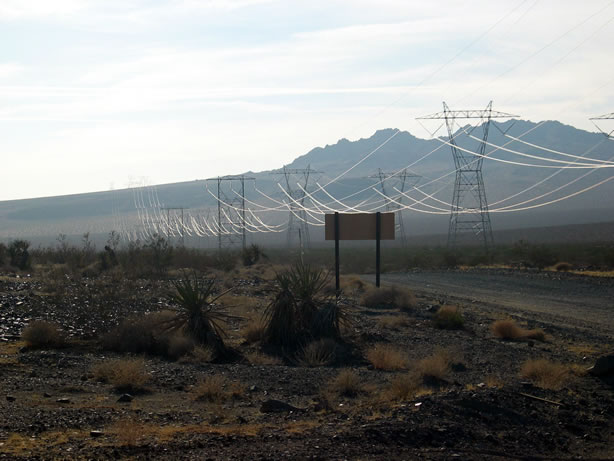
point(387, 357)
point(253, 332)
point(126, 375)
point(318, 353)
point(404, 386)
point(449, 318)
point(218, 389)
point(41, 334)
point(347, 383)
point(545, 374)
point(258, 358)
point(435, 366)
point(509, 330)
point(394, 322)
point(389, 297)
point(563, 266)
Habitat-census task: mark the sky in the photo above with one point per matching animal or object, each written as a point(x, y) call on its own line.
point(104, 94)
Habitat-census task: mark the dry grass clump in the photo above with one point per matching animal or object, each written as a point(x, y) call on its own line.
point(254, 331)
point(179, 346)
point(218, 389)
point(404, 387)
point(352, 283)
point(318, 353)
point(508, 329)
point(389, 297)
point(42, 334)
point(449, 318)
point(346, 383)
point(545, 374)
point(393, 322)
point(435, 366)
point(128, 431)
point(126, 375)
point(387, 357)
point(258, 358)
point(563, 267)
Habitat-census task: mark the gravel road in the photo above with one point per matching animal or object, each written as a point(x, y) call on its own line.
point(580, 300)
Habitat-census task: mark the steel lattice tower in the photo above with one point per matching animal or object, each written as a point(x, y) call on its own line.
point(603, 117)
point(406, 179)
point(298, 228)
point(469, 210)
point(231, 213)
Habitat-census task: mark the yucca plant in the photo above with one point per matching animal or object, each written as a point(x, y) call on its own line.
point(299, 310)
point(197, 314)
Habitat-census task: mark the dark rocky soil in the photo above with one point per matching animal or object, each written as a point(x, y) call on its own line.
point(51, 407)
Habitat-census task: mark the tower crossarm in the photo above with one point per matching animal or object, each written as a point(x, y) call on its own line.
point(467, 114)
point(603, 117)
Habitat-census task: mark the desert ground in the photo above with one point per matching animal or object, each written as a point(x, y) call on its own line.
point(476, 363)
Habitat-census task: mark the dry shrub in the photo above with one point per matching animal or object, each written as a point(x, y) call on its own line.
point(493, 381)
point(353, 282)
point(258, 358)
point(393, 322)
point(389, 297)
point(386, 357)
point(508, 329)
point(346, 383)
point(128, 431)
point(404, 386)
point(254, 331)
point(42, 334)
point(318, 353)
point(126, 375)
point(138, 335)
point(545, 374)
point(435, 366)
point(449, 318)
point(563, 267)
point(217, 389)
point(179, 346)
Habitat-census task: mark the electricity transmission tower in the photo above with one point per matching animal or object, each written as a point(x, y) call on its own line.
point(603, 117)
point(168, 222)
point(406, 179)
point(231, 212)
point(469, 211)
point(298, 227)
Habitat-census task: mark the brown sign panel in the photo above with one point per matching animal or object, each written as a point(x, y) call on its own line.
point(359, 226)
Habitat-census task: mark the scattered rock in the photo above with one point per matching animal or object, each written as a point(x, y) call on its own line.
point(10, 398)
point(63, 400)
point(277, 406)
point(96, 433)
point(604, 366)
point(125, 398)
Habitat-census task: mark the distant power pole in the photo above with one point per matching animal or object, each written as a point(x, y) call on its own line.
point(297, 222)
point(168, 222)
point(406, 179)
point(469, 211)
point(231, 212)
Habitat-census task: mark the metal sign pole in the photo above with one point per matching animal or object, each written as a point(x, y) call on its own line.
point(378, 237)
point(337, 284)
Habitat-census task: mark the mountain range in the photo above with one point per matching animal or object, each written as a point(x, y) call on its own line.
point(349, 166)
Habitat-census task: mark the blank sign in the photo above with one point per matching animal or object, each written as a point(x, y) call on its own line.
point(359, 226)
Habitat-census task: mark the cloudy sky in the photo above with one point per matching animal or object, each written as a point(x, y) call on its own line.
point(99, 94)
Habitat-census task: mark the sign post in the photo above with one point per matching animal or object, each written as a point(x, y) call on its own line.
point(359, 226)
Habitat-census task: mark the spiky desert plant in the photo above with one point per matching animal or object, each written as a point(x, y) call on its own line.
point(300, 310)
point(197, 313)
